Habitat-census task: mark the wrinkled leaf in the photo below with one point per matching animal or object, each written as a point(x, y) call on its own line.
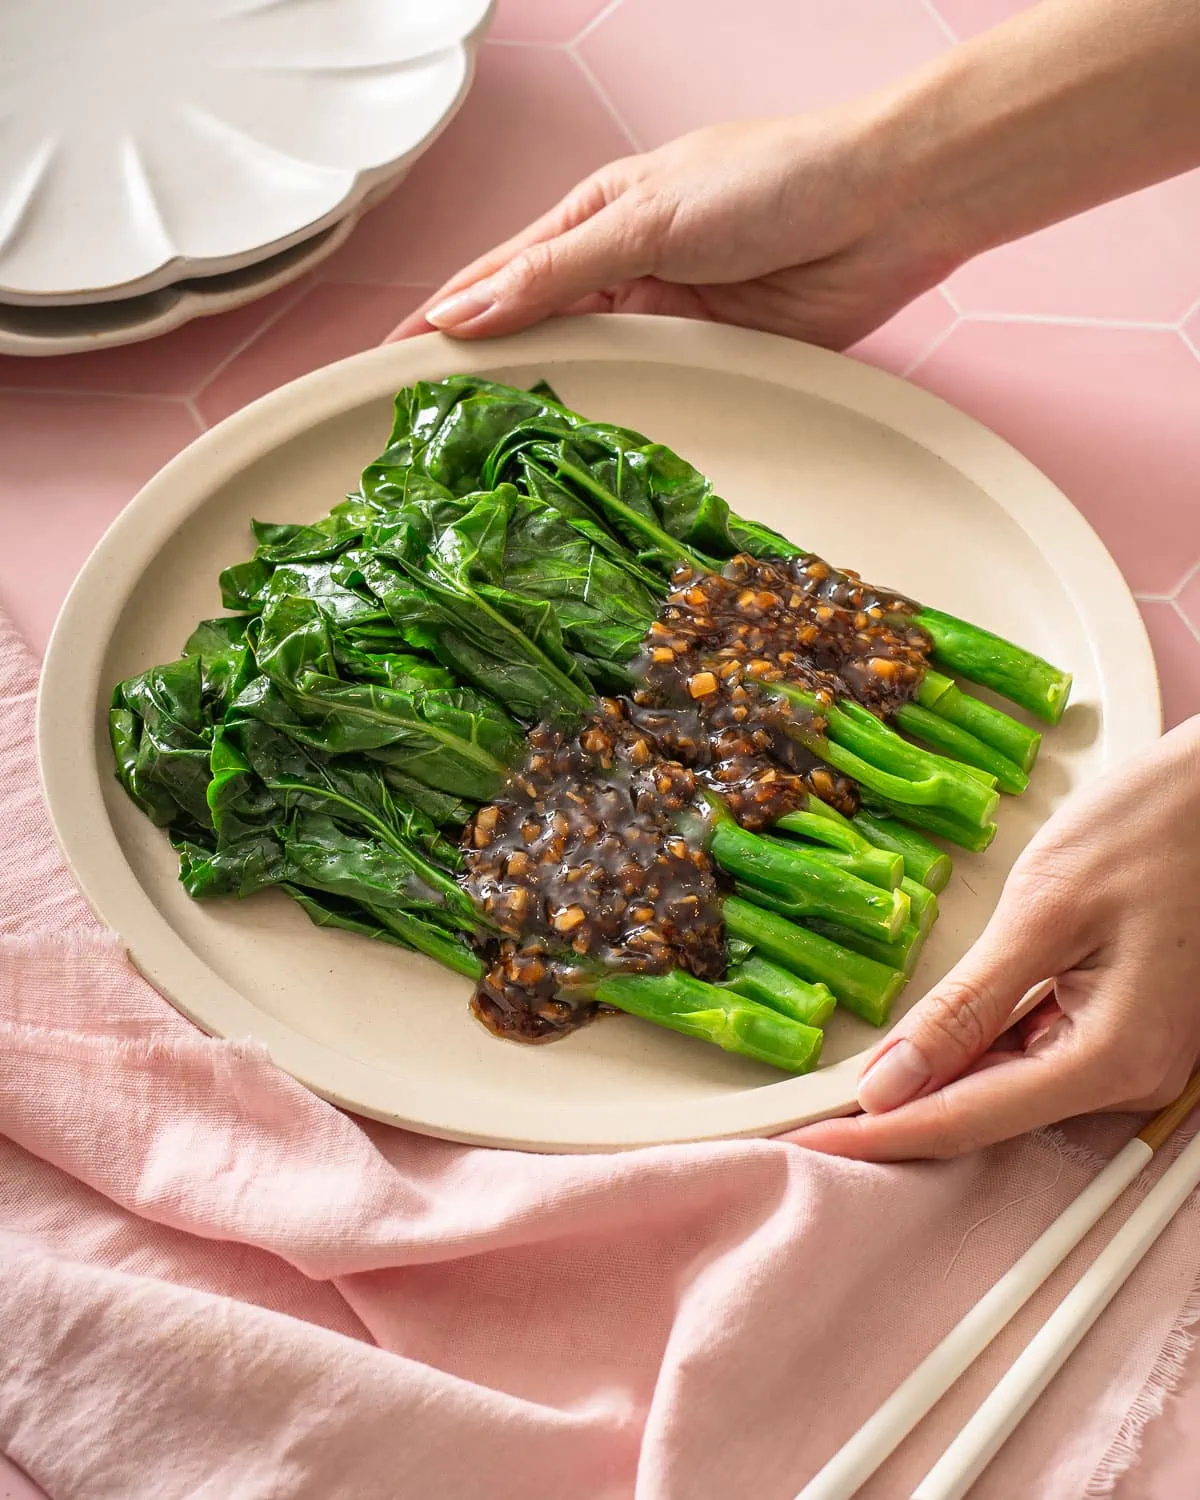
point(161, 735)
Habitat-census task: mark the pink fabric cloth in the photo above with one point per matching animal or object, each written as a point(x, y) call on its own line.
point(214, 1284)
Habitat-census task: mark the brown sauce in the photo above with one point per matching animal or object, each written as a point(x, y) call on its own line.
point(582, 859)
point(594, 856)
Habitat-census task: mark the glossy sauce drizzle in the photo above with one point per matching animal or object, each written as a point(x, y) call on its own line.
point(595, 854)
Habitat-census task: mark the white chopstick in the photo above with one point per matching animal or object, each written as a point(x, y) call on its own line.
point(1046, 1353)
point(883, 1432)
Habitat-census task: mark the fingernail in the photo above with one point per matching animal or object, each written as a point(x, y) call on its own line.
point(453, 312)
point(899, 1074)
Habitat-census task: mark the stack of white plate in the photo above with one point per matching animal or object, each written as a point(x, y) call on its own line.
point(160, 162)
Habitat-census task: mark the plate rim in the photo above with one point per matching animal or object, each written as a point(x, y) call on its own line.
point(71, 692)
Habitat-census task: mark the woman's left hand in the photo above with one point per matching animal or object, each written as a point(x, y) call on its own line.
point(1105, 901)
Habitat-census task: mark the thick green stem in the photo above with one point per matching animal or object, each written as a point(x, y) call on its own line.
point(812, 885)
point(811, 1004)
point(934, 820)
point(425, 938)
point(935, 793)
point(877, 867)
point(902, 954)
point(859, 730)
point(730, 1020)
point(860, 746)
point(977, 654)
point(858, 855)
point(393, 926)
point(612, 506)
point(861, 985)
point(925, 725)
point(1007, 669)
point(923, 862)
point(821, 823)
point(923, 904)
point(1014, 740)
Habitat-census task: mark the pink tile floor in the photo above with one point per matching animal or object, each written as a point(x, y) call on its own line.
point(1080, 345)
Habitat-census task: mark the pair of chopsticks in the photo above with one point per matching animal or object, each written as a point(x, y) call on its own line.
point(986, 1432)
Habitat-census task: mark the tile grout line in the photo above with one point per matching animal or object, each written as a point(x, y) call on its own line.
point(1190, 314)
point(602, 95)
point(1069, 320)
point(189, 405)
point(1188, 342)
point(302, 290)
point(940, 21)
point(1185, 580)
point(74, 391)
point(947, 296)
point(934, 344)
point(1194, 629)
point(589, 26)
point(516, 41)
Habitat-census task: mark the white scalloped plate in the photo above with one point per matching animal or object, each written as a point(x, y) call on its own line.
point(854, 463)
point(45, 329)
point(81, 327)
point(145, 144)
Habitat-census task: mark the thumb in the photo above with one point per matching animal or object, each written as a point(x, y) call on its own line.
point(546, 278)
point(960, 1018)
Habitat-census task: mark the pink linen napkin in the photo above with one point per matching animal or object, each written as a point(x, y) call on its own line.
point(213, 1284)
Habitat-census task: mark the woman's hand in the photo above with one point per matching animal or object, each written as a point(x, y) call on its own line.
point(1105, 901)
point(803, 227)
point(822, 226)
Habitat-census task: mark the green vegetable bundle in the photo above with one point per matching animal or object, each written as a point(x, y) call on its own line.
point(499, 566)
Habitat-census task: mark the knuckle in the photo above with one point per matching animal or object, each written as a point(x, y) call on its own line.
point(947, 1135)
point(617, 177)
point(527, 269)
point(957, 1016)
point(1037, 891)
point(649, 214)
point(1058, 887)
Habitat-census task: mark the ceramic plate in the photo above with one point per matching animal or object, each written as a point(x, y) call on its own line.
point(853, 463)
point(76, 329)
point(79, 327)
point(143, 144)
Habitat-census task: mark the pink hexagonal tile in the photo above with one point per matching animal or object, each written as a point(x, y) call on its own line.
point(1132, 260)
point(176, 364)
point(537, 21)
point(70, 464)
point(671, 65)
point(530, 129)
point(969, 17)
point(328, 323)
point(904, 339)
point(1188, 598)
point(1109, 414)
point(1177, 652)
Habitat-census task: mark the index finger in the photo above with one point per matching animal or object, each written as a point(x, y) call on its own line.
point(584, 200)
point(1014, 1093)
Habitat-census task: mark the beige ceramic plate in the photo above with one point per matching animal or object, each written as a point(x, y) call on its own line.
point(851, 462)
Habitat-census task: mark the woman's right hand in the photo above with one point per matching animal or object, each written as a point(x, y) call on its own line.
point(821, 226)
point(802, 226)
